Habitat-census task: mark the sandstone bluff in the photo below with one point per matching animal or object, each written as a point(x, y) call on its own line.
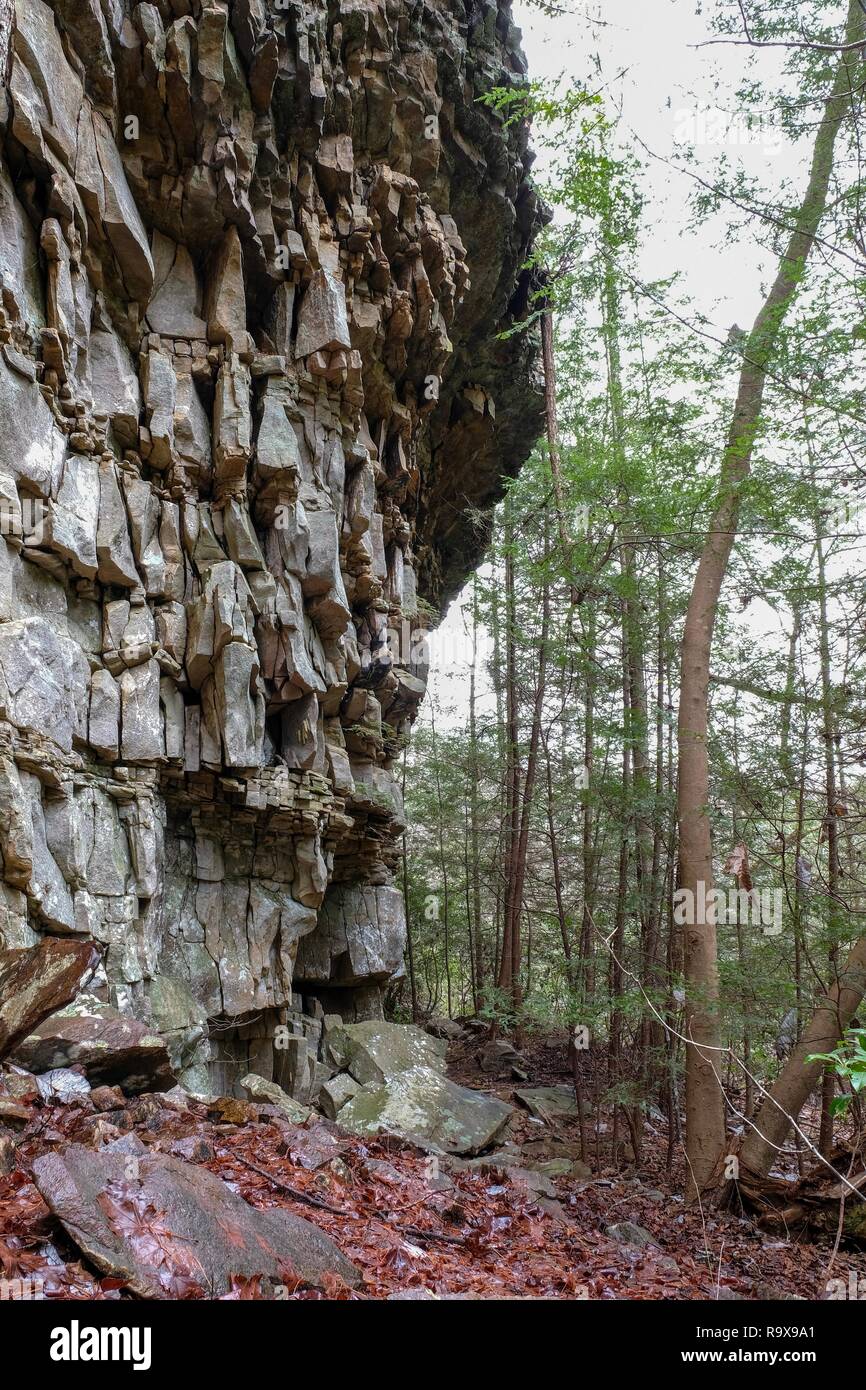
point(256, 258)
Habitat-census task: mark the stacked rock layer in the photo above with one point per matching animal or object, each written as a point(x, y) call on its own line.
point(257, 262)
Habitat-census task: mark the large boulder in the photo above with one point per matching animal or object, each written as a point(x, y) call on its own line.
point(548, 1102)
point(423, 1106)
point(498, 1057)
point(110, 1047)
point(38, 980)
point(173, 1222)
point(377, 1052)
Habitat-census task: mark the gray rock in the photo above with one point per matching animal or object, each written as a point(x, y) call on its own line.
point(335, 1093)
point(210, 1234)
point(209, 535)
point(63, 1085)
point(628, 1233)
point(72, 520)
point(48, 95)
point(44, 680)
point(533, 1180)
point(114, 384)
point(19, 258)
point(498, 1057)
point(113, 548)
point(322, 316)
point(378, 1052)
point(48, 885)
point(232, 421)
point(120, 216)
point(25, 418)
point(160, 395)
point(422, 1105)
point(548, 1102)
point(360, 936)
point(175, 307)
point(192, 440)
point(447, 1028)
point(111, 1048)
point(225, 305)
point(143, 509)
point(268, 1092)
point(141, 716)
point(293, 1067)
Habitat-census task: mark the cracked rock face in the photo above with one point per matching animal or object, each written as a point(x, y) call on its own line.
point(255, 261)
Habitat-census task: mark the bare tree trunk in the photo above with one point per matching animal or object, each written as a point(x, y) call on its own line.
point(509, 981)
point(519, 869)
point(443, 862)
point(499, 876)
point(410, 945)
point(475, 778)
point(828, 1088)
point(705, 1129)
point(587, 934)
point(553, 434)
point(615, 972)
point(555, 865)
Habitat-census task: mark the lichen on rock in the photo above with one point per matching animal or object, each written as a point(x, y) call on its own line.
point(256, 262)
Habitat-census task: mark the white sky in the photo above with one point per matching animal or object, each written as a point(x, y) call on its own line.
point(670, 88)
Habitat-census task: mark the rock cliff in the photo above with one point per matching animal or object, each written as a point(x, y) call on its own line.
point(256, 258)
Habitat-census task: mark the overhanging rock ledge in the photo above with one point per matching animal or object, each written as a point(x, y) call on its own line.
point(256, 258)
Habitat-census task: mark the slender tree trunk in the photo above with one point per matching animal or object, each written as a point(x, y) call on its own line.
point(831, 825)
point(443, 862)
point(509, 978)
point(555, 865)
point(501, 842)
point(467, 891)
point(705, 1128)
point(519, 869)
point(552, 425)
point(615, 972)
point(587, 930)
point(410, 945)
point(474, 833)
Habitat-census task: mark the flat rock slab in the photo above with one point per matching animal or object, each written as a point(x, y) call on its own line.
point(37, 981)
point(110, 1047)
point(377, 1052)
point(628, 1233)
point(425, 1106)
point(498, 1057)
point(549, 1102)
point(313, 1147)
point(175, 1223)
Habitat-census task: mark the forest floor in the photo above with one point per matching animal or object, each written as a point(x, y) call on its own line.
point(422, 1228)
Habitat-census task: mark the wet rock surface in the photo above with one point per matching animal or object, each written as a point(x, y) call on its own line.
point(107, 1046)
point(164, 1226)
point(35, 982)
